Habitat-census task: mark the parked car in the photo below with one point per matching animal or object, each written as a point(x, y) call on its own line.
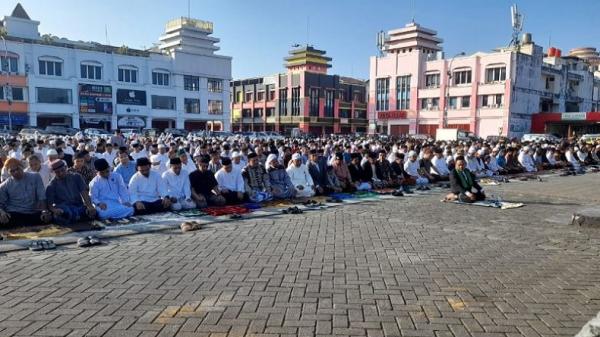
point(96, 132)
point(540, 137)
point(590, 138)
point(31, 132)
point(58, 130)
point(177, 132)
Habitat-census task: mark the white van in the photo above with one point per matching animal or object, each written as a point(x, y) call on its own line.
point(539, 137)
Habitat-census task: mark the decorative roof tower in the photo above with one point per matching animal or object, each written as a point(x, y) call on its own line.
point(309, 59)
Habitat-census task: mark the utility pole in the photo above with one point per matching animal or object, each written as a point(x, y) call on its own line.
point(7, 89)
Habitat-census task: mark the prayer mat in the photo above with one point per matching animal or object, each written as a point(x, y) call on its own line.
point(488, 182)
point(252, 205)
point(225, 210)
point(51, 230)
point(365, 194)
point(384, 191)
point(341, 196)
point(491, 203)
point(276, 203)
point(190, 213)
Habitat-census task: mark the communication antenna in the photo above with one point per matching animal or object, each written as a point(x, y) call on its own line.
point(517, 20)
point(381, 37)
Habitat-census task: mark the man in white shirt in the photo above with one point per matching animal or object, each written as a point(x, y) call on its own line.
point(300, 177)
point(36, 166)
point(187, 165)
point(178, 186)
point(440, 167)
point(157, 164)
point(109, 154)
point(231, 182)
point(147, 190)
point(109, 193)
point(138, 151)
point(526, 161)
point(412, 166)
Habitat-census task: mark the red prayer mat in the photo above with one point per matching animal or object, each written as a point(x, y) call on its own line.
point(225, 210)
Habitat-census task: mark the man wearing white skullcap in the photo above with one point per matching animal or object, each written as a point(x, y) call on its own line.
point(300, 177)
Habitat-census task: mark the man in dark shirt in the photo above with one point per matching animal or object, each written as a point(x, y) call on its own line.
point(205, 189)
point(67, 196)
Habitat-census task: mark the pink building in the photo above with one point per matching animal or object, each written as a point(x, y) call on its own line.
point(413, 89)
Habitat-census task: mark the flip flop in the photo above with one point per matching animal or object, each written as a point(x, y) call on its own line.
point(235, 216)
point(397, 194)
point(83, 242)
point(186, 227)
point(35, 246)
point(94, 241)
point(48, 244)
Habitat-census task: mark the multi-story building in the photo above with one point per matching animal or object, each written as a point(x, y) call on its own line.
point(415, 90)
point(303, 97)
point(180, 82)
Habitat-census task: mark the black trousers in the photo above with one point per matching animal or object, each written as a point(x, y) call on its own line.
point(24, 219)
point(151, 207)
point(231, 198)
point(479, 196)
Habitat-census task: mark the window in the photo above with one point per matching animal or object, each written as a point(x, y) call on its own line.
point(191, 83)
point(91, 71)
point(248, 97)
point(382, 87)
point(215, 107)
point(215, 85)
point(14, 93)
point(462, 77)
point(283, 102)
point(403, 92)
point(314, 102)
point(191, 105)
point(432, 103)
point(296, 101)
point(492, 101)
point(496, 74)
point(271, 95)
point(160, 78)
point(329, 98)
point(344, 113)
point(260, 96)
point(127, 74)
point(50, 67)
point(270, 112)
point(258, 113)
point(9, 64)
point(432, 80)
point(465, 102)
point(163, 102)
point(53, 95)
point(452, 103)
point(238, 97)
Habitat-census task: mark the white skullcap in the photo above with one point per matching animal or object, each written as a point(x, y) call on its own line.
point(412, 153)
point(52, 152)
point(472, 150)
point(296, 156)
point(235, 154)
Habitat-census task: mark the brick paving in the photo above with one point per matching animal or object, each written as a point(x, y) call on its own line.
point(405, 267)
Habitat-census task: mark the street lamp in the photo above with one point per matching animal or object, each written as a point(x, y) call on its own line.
point(7, 91)
point(447, 98)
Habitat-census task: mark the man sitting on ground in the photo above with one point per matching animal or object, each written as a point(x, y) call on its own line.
point(463, 185)
point(357, 173)
point(317, 167)
point(230, 180)
point(439, 168)
point(256, 180)
point(147, 190)
point(205, 188)
point(109, 193)
point(300, 177)
point(280, 181)
point(22, 197)
point(67, 196)
point(178, 186)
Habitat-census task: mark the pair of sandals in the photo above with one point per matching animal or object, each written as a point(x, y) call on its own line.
point(292, 210)
point(398, 193)
point(190, 226)
point(335, 200)
point(39, 245)
point(88, 241)
point(312, 203)
point(422, 188)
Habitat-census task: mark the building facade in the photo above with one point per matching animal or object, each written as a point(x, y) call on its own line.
point(303, 97)
point(178, 83)
point(415, 90)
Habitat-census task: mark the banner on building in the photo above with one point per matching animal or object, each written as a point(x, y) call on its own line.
point(95, 99)
point(131, 97)
point(131, 122)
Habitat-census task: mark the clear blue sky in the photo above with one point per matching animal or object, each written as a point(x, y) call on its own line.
point(258, 34)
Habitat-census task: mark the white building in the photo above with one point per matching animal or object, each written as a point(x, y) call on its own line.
point(179, 83)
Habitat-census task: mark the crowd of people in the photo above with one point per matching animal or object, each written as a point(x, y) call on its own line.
point(65, 180)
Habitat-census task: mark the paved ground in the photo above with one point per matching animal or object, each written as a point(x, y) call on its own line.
point(405, 267)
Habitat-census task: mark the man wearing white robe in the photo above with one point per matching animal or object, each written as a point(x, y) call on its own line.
point(147, 190)
point(526, 161)
point(300, 177)
point(178, 186)
point(109, 193)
